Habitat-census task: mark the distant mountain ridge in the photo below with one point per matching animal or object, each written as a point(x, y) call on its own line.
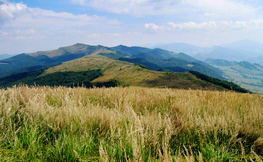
point(246, 45)
point(183, 47)
point(178, 62)
point(76, 49)
point(226, 54)
point(4, 56)
point(44, 58)
point(244, 50)
point(90, 66)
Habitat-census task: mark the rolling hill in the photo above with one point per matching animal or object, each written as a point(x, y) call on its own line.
point(128, 74)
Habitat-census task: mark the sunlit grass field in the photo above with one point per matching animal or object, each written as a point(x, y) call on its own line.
point(129, 124)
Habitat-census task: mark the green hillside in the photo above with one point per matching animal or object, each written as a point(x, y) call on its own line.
point(177, 62)
point(131, 50)
point(44, 58)
point(157, 53)
point(173, 64)
point(129, 74)
point(160, 53)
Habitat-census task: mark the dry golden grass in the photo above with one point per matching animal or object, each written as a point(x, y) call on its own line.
point(136, 124)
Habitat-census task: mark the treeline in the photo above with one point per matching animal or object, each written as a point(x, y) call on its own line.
point(222, 83)
point(68, 79)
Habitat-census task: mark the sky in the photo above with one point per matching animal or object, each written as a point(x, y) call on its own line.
point(38, 25)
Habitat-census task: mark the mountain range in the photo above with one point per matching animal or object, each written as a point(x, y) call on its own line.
point(160, 57)
point(241, 61)
point(105, 66)
point(244, 50)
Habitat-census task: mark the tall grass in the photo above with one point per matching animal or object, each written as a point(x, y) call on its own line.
point(129, 124)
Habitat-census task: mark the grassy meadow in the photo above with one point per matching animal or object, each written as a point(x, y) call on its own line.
point(129, 124)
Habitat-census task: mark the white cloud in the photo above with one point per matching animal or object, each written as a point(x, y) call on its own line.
point(33, 29)
point(22, 15)
point(151, 26)
point(192, 25)
point(10, 11)
point(252, 24)
point(210, 8)
point(20, 20)
point(36, 12)
point(207, 26)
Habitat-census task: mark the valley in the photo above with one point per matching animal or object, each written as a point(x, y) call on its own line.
point(248, 75)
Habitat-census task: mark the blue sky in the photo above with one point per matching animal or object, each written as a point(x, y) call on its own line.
point(37, 25)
